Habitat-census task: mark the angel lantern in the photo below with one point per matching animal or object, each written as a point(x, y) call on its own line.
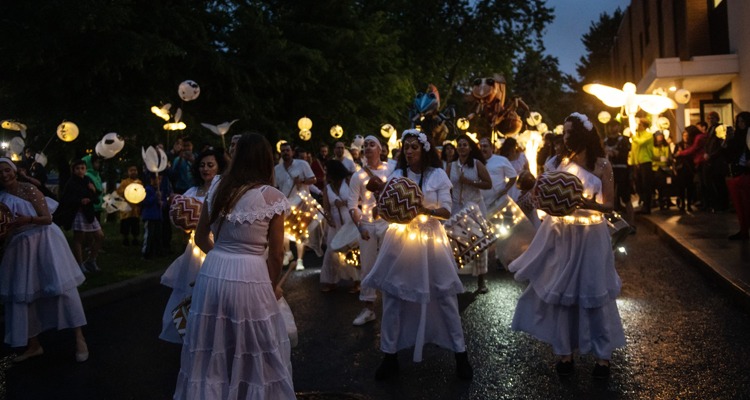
point(424, 112)
point(629, 101)
point(487, 101)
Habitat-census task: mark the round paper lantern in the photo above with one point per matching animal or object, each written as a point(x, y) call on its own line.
point(67, 131)
point(279, 144)
point(305, 134)
point(184, 212)
point(462, 124)
point(189, 90)
point(542, 128)
point(387, 130)
point(663, 123)
point(16, 145)
point(682, 96)
point(604, 117)
point(135, 193)
point(337, 131)
point(103, 152)
point(534, 118)
point(304, 123)
point(113, 141)
point(6, 217)
point(399, 201)
point(558, 193)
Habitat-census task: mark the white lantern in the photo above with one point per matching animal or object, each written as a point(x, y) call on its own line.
point(67, 131)
point(337, 131)
point(387, 130)
point(174, 126)
point(604, 117)
point(162, 112)
point(103, 151)
point(305, 134)
point(534, 118)
point(279, 144)
point(663, 123)
point(189, 90)
point(114, 142)
point(462, 124)
point(558, 130)
point(542, 128)
point(16, 145)
point(682, 96)
point(135, 193)
point(304, 123)
point(154, 158)
point(41, 159)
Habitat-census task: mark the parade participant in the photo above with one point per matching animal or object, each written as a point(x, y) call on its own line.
point(77, 211)
point(236, 343)
point(517, 158)
point(448, 155)
point(468, 176)
point(371, 228)
point(38, 273)
point(339, 151)
point(415, 269)
point(293, 178)
point(336, 205)
point(318, 166)
point(130, 221)
point(233, 145)
point(502, 174)
point(573, 284)
point(181, 274)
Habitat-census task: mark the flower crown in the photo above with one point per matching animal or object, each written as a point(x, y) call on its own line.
point(584, 120)
point(421, 136)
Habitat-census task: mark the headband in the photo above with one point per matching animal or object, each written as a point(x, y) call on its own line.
point(419, 135)
point(371, 138)
point(9, 162)
point(584, 120)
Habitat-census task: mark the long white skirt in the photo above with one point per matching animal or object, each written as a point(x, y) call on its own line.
point(179, 276)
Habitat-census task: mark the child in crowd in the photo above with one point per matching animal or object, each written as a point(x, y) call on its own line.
point(76, 211)
point(130, 221)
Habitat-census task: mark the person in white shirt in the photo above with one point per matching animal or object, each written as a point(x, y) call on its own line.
point(371, 228)
point(293, 178)
point(338, 153)
point(503, 177)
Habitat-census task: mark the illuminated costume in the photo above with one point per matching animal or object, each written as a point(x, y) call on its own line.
point(462, 195)
point(573, 284)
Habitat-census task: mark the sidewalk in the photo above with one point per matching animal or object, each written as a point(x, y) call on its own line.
point(702, 238)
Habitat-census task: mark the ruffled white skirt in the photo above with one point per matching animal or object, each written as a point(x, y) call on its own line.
point(236, 345)
point(179, 276)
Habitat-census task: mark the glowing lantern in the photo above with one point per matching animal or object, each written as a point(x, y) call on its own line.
point(604, 117)
point(387, 130)
point(542, 128)
point(304, 123)
point(154, 158)
point(188, 90)
point(721, 132)
point(682, 96)
point(135, 193)
point(162, 112)
point(534, 118)
point(663, 123)
point(305, 134)
point(279, 144)
point(462, 124)
point(558, 130)
point(337, 131)
point(67, 131)
point(174, 126)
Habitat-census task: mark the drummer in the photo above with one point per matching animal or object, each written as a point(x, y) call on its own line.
point(371, 228)
point(503, 177)
point(293, 178)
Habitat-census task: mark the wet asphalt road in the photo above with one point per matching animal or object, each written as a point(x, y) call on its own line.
point(686, 339)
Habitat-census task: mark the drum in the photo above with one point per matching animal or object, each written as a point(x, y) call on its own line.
point(347, 238)
point(184, 212)
point(399, 201)
point(558, 193)
point(469, 233)
point(619, 229)
point(305, 211)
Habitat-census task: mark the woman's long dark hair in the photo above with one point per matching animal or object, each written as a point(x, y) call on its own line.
point(251, 165)
point(474, 152)
point(581, 139)
point(692, 132)
point(444, 154)
point(429, 158)
point(221, 163)
point(509, 145)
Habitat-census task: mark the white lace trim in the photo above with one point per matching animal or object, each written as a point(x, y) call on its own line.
point(278, 207)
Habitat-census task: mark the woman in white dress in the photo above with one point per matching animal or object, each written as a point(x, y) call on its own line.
point(415, 270)
point(38, 275)
point(517, 158)
point(236, 345)
point(468, 176)
point(335, 199)
point(180, 276)
point(570, 300)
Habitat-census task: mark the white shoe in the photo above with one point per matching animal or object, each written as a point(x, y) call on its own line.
point(300, 266)
point(364, 317)
point(287, 258)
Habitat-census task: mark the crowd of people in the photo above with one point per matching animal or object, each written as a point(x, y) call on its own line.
point(236, 345)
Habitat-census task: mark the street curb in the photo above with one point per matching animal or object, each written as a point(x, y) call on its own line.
point(736, 288)
point(100, 296)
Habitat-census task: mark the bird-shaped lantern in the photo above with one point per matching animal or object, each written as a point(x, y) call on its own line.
point(630, 101)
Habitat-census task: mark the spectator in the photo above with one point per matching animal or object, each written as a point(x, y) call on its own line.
point(93, 169)
point(130, 221)
point(617, 148)
point(448, 155)
point(642, 154)
point(738, 154)
point(662, 167)
point(716, 168)
point(684, 166)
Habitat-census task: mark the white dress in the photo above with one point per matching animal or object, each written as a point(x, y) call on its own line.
point(334, 269)
point(38, 278)
point(518, 164)
point(462, 195)
point(573, 284)
point(236, 344)
point(179, 276)
point(416, 273)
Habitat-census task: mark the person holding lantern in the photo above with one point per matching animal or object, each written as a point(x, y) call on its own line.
point(180, 276)
point(415, 269)
point(469, 175)
point(573, 284)
point(38, 274)
point(236, 343)
point(293, 178)
point(361, 205)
